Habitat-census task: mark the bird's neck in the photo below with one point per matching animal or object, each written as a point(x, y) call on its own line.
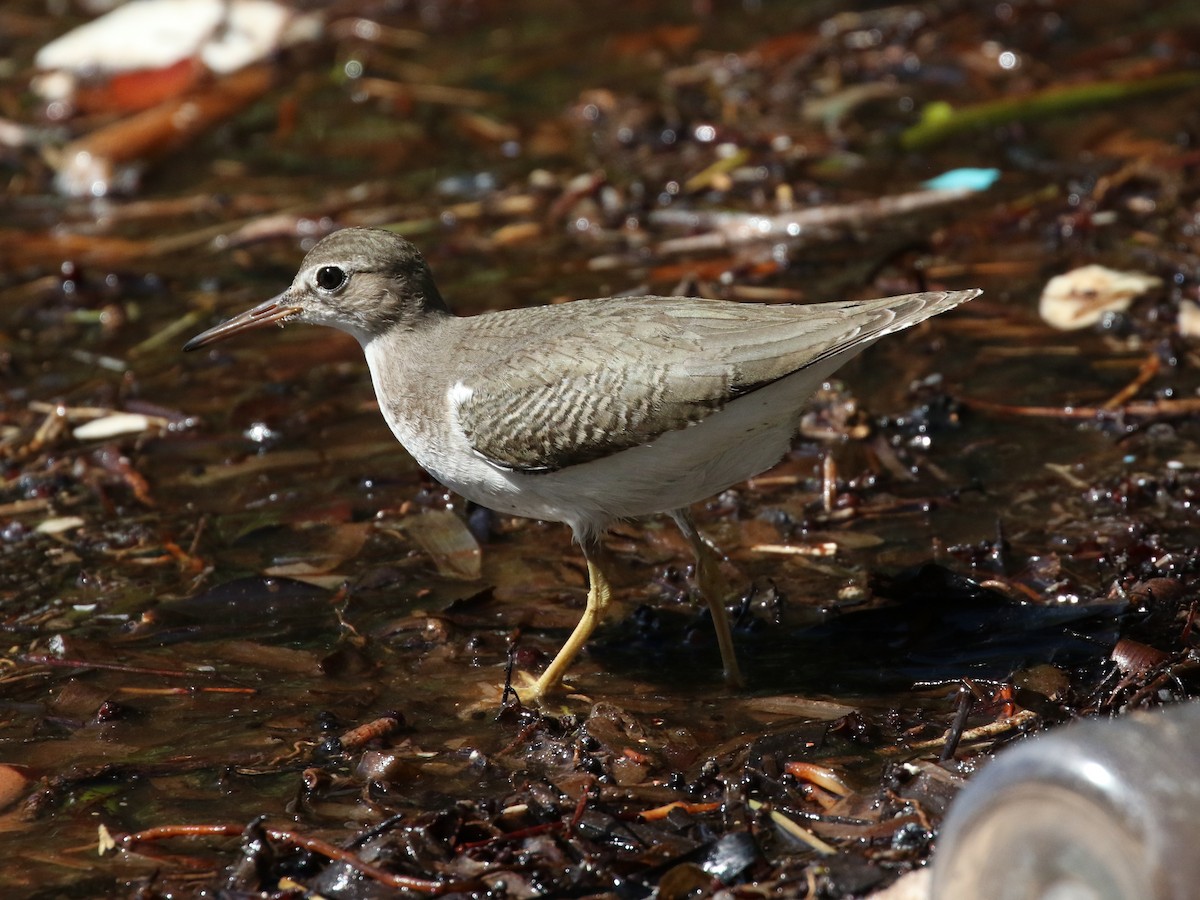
point(408, 384)
point(410, 325)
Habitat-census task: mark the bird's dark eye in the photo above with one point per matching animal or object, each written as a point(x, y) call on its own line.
point(330, 278)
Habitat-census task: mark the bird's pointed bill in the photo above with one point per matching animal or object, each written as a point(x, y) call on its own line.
point(266, 313)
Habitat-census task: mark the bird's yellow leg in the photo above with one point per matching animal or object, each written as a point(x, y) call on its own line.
point(598, 600)
point(714, 589)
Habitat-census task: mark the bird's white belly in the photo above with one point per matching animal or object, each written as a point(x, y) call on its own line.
point(677, 469)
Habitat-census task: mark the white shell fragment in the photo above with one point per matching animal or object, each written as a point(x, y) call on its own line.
point(59, 525)
point(1081, 297)
point(154, 34)
point(1188, 320)
point(111, 426)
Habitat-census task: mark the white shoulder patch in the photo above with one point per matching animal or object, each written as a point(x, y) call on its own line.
point(458, 394)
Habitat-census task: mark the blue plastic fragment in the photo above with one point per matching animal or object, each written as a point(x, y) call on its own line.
point(963, 179)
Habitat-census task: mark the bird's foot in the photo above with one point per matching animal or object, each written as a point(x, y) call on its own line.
point(527, 688)
point(543, 692)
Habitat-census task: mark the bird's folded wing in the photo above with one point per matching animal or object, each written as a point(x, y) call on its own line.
point(619, 373)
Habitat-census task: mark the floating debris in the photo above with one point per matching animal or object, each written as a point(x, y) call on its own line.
point(158, 35)
point(60, 525)
point(966, 179)
point(1188, 320)
point(1081, 297)
point(114, 426)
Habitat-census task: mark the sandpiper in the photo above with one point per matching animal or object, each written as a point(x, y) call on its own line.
point(584, 412)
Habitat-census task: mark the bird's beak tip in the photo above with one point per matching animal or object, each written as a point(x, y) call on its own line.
point(274, 310)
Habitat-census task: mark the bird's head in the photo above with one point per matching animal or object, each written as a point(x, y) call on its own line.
point(364, 281)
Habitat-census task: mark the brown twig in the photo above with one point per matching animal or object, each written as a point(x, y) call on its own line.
point(519, 834)
point(44, 660)
point(1139, 409)
point(369, 731)
point(581, 807)
point(661, 812)
point(1148, 369)
point(305, 842)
